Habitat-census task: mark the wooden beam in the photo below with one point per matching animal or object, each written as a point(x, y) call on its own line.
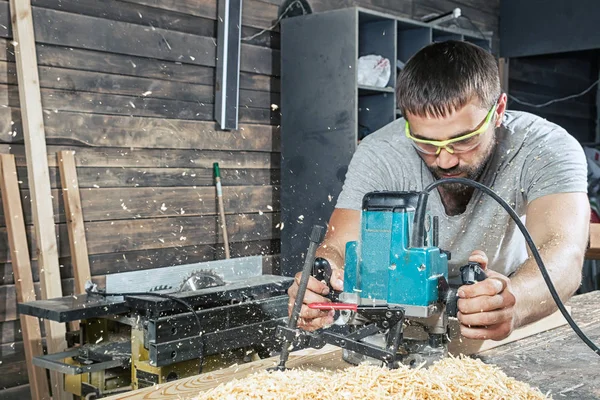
point(37, 170)
point(593, 251)
point(17, 239)
point(74, 216)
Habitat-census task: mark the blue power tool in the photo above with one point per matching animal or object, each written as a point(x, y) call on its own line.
point(389, 284)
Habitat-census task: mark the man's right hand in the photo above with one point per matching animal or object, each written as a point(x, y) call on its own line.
point(311, 319)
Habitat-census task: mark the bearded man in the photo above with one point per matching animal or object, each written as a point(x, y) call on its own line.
point(456, 125)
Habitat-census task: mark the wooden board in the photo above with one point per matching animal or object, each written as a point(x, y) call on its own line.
point(72, 30)
point(15, 226)
point(118, 177)
point(139, 132)
point(128, 65)
point(100, 204)
point(74, 217)
point(37, 167)
point(110, 263)
point(593, 251)
point(99, 82)
point(470, 346)
point(100, 103)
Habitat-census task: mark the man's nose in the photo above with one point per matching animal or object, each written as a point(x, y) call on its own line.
point(446, 160)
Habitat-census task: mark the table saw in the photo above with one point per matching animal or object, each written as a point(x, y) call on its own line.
point(138, 340)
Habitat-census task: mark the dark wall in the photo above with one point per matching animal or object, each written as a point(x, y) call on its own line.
point(539, 79)
point(533, 27)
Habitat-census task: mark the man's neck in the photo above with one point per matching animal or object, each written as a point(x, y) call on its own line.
point(455, 203)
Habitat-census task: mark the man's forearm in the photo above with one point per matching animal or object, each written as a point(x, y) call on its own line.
point(332, 254)
point(533, 298)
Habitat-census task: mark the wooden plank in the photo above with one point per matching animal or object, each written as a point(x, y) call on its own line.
point(74, 217)
point(152, 17)
point(593, 251)
point(111, 263)
point(254, 13)
point(192, 159)
point(121, 64)
point(15, 227)
point(101, 204)
point(148, 133)
point(72, 30)
point(160, 177)
point(161, 233)
point(99, 103)
point(470, 346)
point(35, 144)
point(96, 82)
point(117, 236)
point(66, 29)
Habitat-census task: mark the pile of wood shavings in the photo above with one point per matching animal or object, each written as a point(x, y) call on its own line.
point(452, 378)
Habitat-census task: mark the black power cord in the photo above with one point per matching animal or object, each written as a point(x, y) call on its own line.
point(418, 238)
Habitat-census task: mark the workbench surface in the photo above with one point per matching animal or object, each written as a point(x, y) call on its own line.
point(556, 361)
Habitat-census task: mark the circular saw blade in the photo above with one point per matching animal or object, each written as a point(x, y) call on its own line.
point(201, 279)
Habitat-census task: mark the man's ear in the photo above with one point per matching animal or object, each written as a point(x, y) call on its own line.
point(501, 109)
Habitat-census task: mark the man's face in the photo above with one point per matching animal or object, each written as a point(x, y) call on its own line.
point(468, 164)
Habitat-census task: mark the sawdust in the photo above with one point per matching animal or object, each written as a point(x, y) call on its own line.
point(449, 379)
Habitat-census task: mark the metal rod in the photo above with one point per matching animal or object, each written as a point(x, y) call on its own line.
point(315, 238)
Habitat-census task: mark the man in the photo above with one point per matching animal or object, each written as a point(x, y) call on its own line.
point(456, 125)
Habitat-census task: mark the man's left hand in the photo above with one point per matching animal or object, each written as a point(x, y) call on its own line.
point(486, 308)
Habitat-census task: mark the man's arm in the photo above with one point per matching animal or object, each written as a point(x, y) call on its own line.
point(559, 226)
point(343, 227)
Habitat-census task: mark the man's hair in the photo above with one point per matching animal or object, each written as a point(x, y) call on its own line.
point(443, 77)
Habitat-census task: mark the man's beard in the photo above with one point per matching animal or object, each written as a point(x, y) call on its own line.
point(472, 172)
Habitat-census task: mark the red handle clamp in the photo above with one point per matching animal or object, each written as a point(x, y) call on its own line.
point(333, 306)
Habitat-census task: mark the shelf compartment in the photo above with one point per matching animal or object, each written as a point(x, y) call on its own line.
point(375, 112)
point(368, 90)
point(377, 36)
point(411, 39)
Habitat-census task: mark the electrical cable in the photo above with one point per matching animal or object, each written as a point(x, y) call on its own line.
point(283, 14)
point(554, 100)
point(419, 219)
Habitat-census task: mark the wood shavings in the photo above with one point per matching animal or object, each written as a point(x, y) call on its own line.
point(449, 379)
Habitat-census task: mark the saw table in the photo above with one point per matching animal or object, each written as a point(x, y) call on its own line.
point(556, 361)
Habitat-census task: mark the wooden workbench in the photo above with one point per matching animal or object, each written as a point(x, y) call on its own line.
point(556, 361)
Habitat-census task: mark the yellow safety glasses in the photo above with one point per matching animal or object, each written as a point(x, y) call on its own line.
point(459, 144)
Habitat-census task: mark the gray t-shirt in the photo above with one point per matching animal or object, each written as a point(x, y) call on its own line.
point(533, 158)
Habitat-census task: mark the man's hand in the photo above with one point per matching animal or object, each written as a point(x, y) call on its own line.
point(311, 319)
point(487, 308)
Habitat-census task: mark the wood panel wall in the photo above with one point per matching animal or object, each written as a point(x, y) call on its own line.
point(539, 79)
point(128, 85)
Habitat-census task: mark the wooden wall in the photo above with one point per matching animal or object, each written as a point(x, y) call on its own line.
point(128, 84)
point(539, 79)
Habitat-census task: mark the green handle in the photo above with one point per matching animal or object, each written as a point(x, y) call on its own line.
point(217, 171)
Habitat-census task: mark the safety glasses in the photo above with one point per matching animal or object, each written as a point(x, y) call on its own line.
point(459, 144)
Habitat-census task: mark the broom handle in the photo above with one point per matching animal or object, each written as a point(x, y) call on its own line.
point(221, 208)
